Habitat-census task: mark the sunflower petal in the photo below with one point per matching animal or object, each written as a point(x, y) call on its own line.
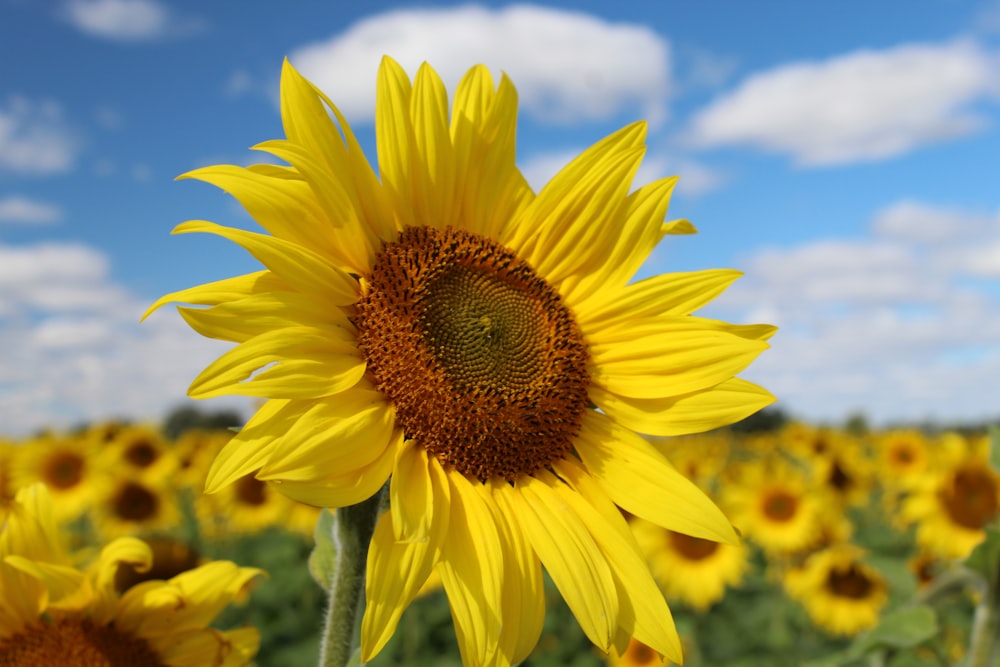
point(301, 268)
point(397, 570)
point(471, 568)
point(342, 490)
point(250, 449)
point(333, 436)
point(575, 563)
point(221, 291)
point(667, 356)
point(726, 403)
point(312, 362)
point(640, 481)
point(644, 614)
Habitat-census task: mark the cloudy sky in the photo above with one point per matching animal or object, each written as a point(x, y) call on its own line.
point(845, 156)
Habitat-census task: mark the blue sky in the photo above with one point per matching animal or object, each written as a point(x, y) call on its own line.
point(845, 156)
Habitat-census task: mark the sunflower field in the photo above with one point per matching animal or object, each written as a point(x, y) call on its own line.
point(870, 548)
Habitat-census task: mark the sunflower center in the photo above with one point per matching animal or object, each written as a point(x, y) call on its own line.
point(780, 506)
point(134, 502)
point(971, 501)
point(64, 470)
point(170, 558)
point(141, 454)
point(850, 583)
point(638, 654)
point(79, 643)
point(485, 365)
point(692, 548)
point(251, 491)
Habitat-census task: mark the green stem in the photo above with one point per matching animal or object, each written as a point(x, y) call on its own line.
point(982, 637)
point(352, 533)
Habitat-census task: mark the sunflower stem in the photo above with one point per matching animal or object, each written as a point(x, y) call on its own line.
point(351, 533)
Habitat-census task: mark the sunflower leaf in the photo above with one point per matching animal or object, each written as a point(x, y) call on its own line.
point(324, 555)
point(995, 448)
point(985, 558)
point(901, 628)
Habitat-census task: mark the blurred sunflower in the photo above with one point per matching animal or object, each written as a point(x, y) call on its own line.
point(135, 505)
point(8, 451)
point(773, 503)
point(701, 457)
point(952, 506)
point(66, 465)
point(55, 614)
point(443, 324)
point(249, 505)
point(903, 455)
point(691, 569)
point(636, 654)
point(138, 449)
point(844, 469)
point(841, 594)
point(194, 450)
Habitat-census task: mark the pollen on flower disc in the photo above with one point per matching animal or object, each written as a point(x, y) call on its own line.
point(485, 365)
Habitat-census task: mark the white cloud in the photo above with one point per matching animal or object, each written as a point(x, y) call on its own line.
point(893, 324)
point(127, 20)
point(863, 106)
point(567, 65)
point(34, 139)
point(72, 348)
point(16, 209)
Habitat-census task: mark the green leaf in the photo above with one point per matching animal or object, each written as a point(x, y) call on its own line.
point(324, 554)
point(995, 448)
point(985, 558)
point(905, 627)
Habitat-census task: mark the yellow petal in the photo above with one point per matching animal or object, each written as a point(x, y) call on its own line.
point(394, 137)
point(726, 403)
point(311, 362)
point(395, 573)
point(300, 267)
point(569, 554)
point(644, 612)
point(418, 491)
point(667, 356)
point(334, 436)
point(640, 481)
point(433, 172)
point(342, 490)
point(221, 291)
point(251, 448)
point(471, 568)
point(523, 586)
point(664, 294)
point(243, 318)
point(277, 198)
point(66, 586)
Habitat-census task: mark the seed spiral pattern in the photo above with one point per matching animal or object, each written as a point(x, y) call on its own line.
point(484, 364)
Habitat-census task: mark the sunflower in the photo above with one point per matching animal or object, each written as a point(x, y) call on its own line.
point(55, 614)
point(250, 506)
point(637, 654)
point(840, 592)
point(952, 506)
point(135, 505)
point(691, 569)
point(138, 449)
point(64, 463)
point(774, 505)
point(483, 345)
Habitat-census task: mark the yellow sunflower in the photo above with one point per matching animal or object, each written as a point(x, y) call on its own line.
point(135, 505)
point(691, 569)
point(55, 614)
point(773, 504)
point(249, 506)
point(841, 594)
point(64, 463)
point(637, 654)
point(952, 506)
point(483, 345)
point(138, 449)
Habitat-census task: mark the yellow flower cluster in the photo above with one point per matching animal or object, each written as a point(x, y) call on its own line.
point(797, 497)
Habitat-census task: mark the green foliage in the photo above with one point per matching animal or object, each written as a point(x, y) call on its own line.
point(323, 556)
